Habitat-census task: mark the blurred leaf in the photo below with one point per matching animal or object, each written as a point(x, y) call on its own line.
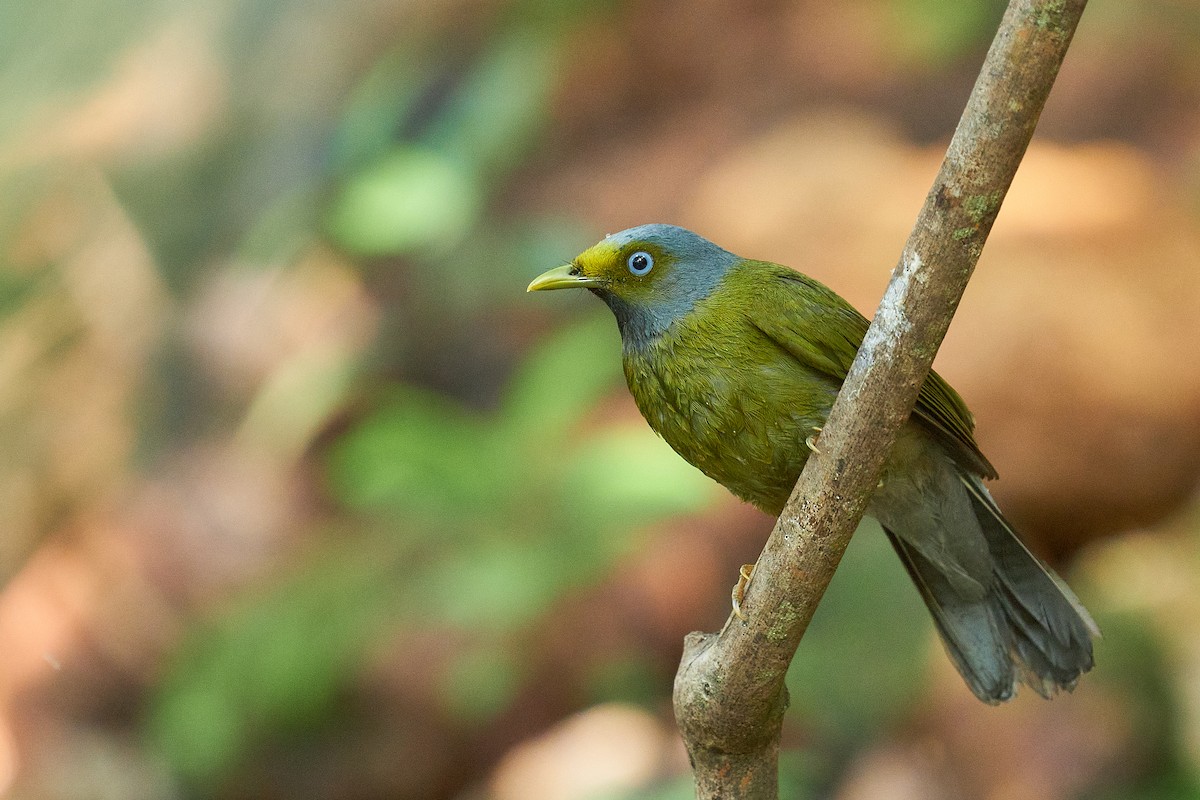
point(492, 585)
point(628, 677)
point(295, 400)
point(1174, 784)
point(284, 231)
point(491, 120)
point(509, 513)
point(561, 381)
point(19, 289)
point(1137, 670)
point(493, 266)
point(480, 683)
point(637, 472)
point(863, 656)
point(934, 32)
point(422, 454)
point(424, 196)
point(413, 200)
point(802, 775)
point(520, 511)
point(380, 106)
point(277, 662)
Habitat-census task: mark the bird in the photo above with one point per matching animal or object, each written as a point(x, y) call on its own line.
point(736, 363)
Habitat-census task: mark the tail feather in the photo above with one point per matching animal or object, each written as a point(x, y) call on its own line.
point(1007, 546)
point(1027, 625)
point(970, 627)
point(1052, 631)
point(1042, 668)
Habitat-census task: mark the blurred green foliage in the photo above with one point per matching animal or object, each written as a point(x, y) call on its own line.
point(1136, 671)
point(275, 664)
point(931, 33)
point(477, 525)
point(864, 653)
point(466, 522)
point(463, 127)
point(460, 503)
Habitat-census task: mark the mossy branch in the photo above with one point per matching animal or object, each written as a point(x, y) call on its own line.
point(729, 691)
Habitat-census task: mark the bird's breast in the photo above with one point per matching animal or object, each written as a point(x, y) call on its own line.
point(735, 407)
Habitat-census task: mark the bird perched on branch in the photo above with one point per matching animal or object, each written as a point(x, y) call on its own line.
point(736, 364)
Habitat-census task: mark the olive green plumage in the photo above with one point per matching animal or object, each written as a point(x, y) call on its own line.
point(736, 364)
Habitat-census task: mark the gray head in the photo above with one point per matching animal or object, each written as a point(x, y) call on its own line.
point(649, 276)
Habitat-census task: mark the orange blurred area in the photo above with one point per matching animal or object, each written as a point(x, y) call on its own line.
point(303, 497)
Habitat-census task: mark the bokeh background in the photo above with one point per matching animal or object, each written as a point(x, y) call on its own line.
point(302, 496)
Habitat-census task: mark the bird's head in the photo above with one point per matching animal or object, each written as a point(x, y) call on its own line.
point(649, 276)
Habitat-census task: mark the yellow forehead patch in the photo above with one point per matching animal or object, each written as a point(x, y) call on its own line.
point(601, 259)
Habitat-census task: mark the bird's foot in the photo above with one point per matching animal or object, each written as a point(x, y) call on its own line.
point(739, 591)
point(811, 441)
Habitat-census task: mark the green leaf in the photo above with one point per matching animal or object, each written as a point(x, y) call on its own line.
point(413, 200)
point(632, 476)
point(422, 453)
point(863, 656)
point(480, 683)
point(935, 32)
point(276, 662)
point(492, 585)
point(492, 119)
point(562, 381)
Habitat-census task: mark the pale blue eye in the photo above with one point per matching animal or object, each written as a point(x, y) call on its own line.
point(640, 263)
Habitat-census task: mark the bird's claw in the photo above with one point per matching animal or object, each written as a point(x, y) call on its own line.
point(811, 441)
point(739, 591)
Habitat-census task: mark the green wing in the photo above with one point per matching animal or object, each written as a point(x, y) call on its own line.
point(820, 329)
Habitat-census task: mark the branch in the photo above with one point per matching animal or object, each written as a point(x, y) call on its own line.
point(729, 691)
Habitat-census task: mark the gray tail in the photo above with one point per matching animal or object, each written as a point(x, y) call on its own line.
point(1027, 626)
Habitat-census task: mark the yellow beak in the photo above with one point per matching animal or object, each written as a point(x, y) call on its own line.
point(567, 276)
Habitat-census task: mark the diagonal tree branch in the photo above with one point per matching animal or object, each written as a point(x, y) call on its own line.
point(729, 691)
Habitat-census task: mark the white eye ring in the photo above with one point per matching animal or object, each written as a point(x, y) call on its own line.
point(640, 263)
